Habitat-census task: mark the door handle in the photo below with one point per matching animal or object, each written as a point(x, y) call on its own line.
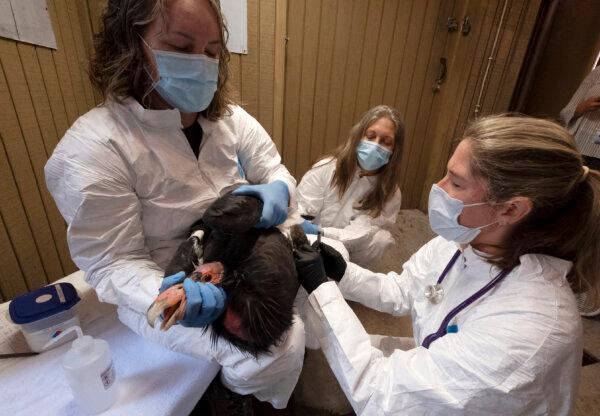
point(441, 76)
point(466, 26)
point(452, 24)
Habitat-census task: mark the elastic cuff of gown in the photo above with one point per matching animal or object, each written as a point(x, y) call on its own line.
point(330, 232)
point(325, 293)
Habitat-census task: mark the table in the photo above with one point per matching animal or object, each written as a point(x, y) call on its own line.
point(152, 380)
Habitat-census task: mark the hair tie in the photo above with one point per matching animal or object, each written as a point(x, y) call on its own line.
point(586, 170)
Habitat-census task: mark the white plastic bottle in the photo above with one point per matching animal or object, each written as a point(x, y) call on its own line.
point(90, 372)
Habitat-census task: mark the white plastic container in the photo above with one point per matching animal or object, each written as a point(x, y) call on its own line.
point(37, 334)
point(91, 374)
point(45, 313)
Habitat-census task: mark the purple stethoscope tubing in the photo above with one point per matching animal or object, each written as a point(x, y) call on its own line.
point(443, 327)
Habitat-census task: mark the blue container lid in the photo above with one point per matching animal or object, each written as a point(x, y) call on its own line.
point(42, 303)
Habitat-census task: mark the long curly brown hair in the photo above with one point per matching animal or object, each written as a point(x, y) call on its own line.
point(117, 65)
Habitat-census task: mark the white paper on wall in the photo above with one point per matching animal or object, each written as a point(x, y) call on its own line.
point(27, 21)
point(236, 17)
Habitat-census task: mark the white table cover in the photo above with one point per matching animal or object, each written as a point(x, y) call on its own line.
point(152, 380)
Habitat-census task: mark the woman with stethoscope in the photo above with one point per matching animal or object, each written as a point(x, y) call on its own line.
point(495, 323)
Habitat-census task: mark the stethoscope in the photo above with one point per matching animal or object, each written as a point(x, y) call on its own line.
point(434, 294)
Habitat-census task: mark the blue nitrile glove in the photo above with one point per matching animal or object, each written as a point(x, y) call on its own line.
point(171, 280)
point(275, 197)
point(309, 227)
point(205, 302)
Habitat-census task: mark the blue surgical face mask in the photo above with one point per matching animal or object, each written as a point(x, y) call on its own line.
point(443, 217)
point(372, 156)
point(187, 81)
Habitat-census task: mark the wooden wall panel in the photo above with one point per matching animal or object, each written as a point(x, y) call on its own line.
point(256, 79)
point(383, 61)
point(43, 91)
point(292, 82)
point(336, 72)
point(368, 58)
point(324, 55)
point(62, 69)
point(347, 106)
point(21, 207)
point(397, 52)
point(266, 63)
point(40, 145)
point(279, 71)
point(64, 30)
point(249, 64)
point(87, 21)
point(10, 281)
point(312, 18)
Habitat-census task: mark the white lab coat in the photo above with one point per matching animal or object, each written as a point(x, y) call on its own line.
point(129, 187)
point(365, 237)
point(517, 350)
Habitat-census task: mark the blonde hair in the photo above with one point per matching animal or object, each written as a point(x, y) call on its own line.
point(117, 65)
point(388, 176)
point(537, 159)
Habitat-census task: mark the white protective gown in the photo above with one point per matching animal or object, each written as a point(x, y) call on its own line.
point(365, 237)
point(129, 187)
point(517, 350)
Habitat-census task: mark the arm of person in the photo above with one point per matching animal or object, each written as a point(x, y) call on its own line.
point(92, 189)
point(390, 293)
point(570, 114)
point(362, 229)
point(311, 190)
point(470, 370)
point(258, 155)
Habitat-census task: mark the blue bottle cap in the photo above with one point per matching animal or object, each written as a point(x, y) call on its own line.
point(452, 329)
point(42, 303)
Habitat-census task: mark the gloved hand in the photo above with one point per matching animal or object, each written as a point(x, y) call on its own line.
point(171, 280)
point(309, 227)
point(335, 265)
point(205, 302)
point(275, 197)
point(310, 268)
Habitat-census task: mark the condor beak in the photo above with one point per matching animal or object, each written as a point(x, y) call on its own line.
point(170, 304)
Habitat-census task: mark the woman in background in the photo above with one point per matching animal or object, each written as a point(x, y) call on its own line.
point(354, 193)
